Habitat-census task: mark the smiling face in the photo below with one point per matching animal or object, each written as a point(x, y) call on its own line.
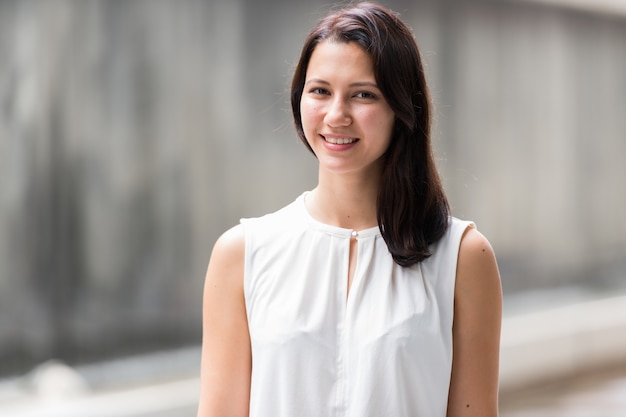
point(345, 117)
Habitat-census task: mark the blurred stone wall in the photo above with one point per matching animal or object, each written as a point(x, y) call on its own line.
point(132, 133)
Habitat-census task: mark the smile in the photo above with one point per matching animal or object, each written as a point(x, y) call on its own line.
point(339, 141)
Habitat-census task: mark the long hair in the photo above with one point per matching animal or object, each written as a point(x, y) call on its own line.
point(412, 209)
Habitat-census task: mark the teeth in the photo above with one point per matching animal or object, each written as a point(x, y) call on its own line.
point(339, 141)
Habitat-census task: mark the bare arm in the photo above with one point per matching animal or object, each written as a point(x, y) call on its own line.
point(476, 330)
point(226, 357)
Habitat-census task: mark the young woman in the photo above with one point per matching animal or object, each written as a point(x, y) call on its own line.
point(364, 297)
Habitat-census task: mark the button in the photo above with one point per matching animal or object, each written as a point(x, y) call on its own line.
point(355, 233)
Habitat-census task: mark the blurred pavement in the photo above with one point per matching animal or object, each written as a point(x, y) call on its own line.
point(162, 384)
point(600, 394)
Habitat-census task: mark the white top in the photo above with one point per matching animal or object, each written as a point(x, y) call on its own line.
point(383, 350)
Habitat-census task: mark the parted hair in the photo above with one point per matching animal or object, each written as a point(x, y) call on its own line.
point(412, 208)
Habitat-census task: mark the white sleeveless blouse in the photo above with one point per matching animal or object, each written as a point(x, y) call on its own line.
point(383, 350)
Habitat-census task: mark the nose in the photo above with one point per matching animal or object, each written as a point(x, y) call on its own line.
point(338, 113)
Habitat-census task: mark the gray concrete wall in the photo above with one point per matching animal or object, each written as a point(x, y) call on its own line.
point(133, 133)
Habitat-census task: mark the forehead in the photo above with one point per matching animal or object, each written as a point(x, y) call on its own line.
point(340, 58)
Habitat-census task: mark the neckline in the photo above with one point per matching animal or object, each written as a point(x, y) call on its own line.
point(332, 229)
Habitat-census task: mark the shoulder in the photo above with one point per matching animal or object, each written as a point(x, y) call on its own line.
point(478, 290)
point(230, 242)
point(228, 252)
point(476, 266)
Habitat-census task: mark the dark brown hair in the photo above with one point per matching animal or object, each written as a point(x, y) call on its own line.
point(412, 208)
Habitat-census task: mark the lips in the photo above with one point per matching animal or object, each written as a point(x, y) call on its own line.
point(339, 141)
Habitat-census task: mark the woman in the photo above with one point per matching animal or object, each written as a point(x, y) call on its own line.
point(364, 297)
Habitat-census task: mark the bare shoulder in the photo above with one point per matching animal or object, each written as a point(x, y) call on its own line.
point(224, 276)
point(230, 246)
point(223, 288)
point(477, 267)
point(228, 254)
point(478, 290)
point(226, 267)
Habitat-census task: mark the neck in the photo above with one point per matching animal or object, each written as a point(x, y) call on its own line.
point(345, 201)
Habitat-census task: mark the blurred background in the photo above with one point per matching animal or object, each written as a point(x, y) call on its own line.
point(133, 133)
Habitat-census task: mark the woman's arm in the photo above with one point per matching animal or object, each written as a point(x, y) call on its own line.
point(476, 330)
point(226, 357)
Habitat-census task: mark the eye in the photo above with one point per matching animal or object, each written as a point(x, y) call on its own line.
point(319, 91)
point(365, 95)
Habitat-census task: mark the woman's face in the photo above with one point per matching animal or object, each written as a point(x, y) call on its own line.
point(345, 117)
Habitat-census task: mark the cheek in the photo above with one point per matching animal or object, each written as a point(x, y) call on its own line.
point(308, 114)
point(373, 121)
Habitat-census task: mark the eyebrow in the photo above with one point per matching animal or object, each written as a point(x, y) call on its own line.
point(355, 84)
